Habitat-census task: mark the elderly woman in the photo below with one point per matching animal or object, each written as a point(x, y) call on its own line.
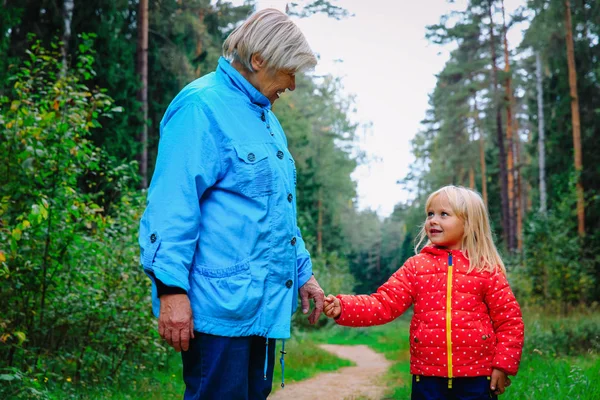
point(219, 237)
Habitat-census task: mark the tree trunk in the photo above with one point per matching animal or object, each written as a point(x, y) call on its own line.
point(575, 120)
point(68, 6)
point(142, 72)
point(484, 193)
point(541, 139)
point(510, 166)
point(499, 134)
point(519, 205)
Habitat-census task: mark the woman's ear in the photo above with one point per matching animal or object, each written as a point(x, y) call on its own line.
point(258, 62)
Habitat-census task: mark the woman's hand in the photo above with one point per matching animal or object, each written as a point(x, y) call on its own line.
point(333, 307)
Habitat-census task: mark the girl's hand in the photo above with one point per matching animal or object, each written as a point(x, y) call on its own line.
point(332, 307)
point(499, 381)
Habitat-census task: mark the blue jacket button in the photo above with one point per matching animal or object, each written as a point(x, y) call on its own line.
point(280, 155)
point(289, 283)
point(290, 197)
point(153, 238)
point(293, 241)
point(251, 157)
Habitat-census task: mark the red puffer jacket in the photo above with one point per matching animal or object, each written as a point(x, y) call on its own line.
point(464, 324)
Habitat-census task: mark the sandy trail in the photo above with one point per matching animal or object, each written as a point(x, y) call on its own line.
point(363, 381)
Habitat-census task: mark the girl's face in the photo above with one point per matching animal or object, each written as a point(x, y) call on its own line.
point(443, 227)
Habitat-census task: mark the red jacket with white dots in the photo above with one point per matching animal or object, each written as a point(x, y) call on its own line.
point(464, 324)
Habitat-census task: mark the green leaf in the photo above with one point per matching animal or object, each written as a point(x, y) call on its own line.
point(16, 234)
point(44, 212)
point(20, 336)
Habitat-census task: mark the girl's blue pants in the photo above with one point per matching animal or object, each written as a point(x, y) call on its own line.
point(435, 388)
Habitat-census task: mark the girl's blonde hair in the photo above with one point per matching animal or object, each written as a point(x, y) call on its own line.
point(477, 241)
point(274, 36)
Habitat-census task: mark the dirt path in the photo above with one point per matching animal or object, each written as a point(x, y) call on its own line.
point(363, 381)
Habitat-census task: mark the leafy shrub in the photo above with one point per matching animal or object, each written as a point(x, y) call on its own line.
point(74, 301)
point(557, 266)
point(565, 336)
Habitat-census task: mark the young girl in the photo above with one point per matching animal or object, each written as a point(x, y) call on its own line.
point(466, 334)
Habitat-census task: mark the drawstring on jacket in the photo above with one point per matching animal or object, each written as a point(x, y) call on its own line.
point(281, 360)
point(266, 357)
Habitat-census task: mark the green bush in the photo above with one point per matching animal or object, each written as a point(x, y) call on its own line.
point(74, 301)
point(578, 334)
point(556, 266)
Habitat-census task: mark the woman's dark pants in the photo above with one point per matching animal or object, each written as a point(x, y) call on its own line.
point(227, 368)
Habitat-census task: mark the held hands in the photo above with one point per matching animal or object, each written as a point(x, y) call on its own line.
point(333, 308)
point(499, 381)
point(312, 290)
point(175, 323)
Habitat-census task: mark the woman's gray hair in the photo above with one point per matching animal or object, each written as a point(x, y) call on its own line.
point(271, 34)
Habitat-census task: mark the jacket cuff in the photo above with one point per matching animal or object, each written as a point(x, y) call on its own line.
point(162, 289)
point(305, 272)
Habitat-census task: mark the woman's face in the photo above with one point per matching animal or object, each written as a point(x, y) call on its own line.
point(273, 83)
point(270, 83)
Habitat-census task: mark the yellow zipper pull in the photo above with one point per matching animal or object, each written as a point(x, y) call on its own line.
point(449, 383)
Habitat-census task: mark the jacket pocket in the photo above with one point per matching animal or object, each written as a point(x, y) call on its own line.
point(230, 294)
point(254, 176)
point(149, 250)
point(486, 337)
point(417, 336)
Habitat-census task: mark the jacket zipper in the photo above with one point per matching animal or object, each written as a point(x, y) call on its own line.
point(449, 319)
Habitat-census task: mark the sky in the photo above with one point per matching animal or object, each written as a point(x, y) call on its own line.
point(384, 60)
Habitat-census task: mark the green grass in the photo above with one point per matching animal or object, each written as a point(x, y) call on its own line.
point(150, 384)
point(545, 377)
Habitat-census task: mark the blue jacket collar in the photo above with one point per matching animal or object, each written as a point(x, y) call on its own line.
point(237, 80)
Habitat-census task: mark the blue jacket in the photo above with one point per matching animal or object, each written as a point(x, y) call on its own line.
point(220, 220)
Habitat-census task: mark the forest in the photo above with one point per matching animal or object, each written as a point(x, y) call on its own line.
point(84, 85)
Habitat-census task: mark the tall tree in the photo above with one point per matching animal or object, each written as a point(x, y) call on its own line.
point(482, 165)
point(499, 131)
point(575, 119)
point(541, 144)
point(142, 72)
point(510, 143)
